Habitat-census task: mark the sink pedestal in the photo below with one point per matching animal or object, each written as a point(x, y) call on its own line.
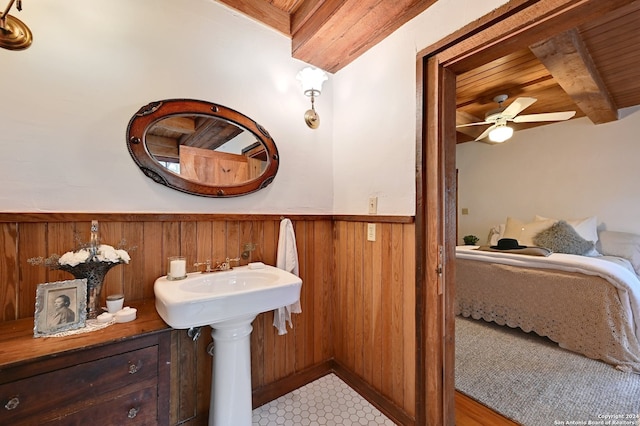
point(231, 380)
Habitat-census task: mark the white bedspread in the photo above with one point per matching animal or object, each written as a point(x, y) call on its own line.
point(626, 282)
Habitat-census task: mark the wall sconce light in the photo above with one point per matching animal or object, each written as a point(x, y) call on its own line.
point(14, 34)
point(312, 79)
point(501, 133)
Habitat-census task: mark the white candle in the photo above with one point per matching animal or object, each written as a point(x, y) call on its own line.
point(178, 268)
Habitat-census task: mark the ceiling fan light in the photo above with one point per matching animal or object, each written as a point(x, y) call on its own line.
point(500, 134)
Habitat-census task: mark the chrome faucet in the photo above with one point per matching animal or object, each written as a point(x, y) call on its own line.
point(220, 266)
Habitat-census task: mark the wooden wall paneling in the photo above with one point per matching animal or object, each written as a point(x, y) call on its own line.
point(260, 323)
point(375, 325)
point(151, 256)
point(204, 245)
point(189, 242)
point(324, 290)
point(32, 242)
point(296, 354)
point(305, 342)
point(232, 243)
point(134, 276)
point(368, 303)
point(183, 405)
point(274, 347)
point(396, 302)
point(279, 342)
point(110, 233)
point(9, 270)
point(60, 239)
point(409, 320)
point(386, 311)
point(377, 318)
point(339, 295)
point(288, 340)
point(219, 246)
point(349, 307)
point(358, 296)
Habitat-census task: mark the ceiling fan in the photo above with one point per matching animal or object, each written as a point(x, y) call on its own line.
point(498, 118)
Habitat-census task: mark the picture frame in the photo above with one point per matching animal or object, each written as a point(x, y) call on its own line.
point(60, 306)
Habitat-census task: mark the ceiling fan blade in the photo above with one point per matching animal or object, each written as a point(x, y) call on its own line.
point(474, 124)
point(517, 106)
point(549, 116)
point(486, 132)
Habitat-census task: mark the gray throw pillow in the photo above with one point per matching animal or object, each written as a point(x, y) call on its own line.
point(562, 238)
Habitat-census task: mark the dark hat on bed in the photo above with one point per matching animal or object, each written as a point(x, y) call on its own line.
point(508, 244)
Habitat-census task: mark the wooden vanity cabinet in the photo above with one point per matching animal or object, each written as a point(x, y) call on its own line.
point(115, 376)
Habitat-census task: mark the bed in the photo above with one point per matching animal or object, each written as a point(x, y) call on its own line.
point(586, 304)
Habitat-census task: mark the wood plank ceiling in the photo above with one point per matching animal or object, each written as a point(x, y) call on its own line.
point(593, 70)
point(330, 34)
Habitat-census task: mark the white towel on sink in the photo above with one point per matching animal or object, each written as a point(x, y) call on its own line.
point(288, 260)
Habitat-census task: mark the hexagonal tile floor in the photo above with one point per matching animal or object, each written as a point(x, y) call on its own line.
point(327, 401)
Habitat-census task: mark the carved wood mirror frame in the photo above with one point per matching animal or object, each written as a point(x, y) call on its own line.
point(154, 112)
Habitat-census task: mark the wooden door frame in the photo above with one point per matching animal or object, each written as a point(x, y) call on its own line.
point(515, 25)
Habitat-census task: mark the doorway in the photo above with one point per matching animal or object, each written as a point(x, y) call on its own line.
point(513, 26)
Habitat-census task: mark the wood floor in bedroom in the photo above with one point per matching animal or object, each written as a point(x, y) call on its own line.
point(472, 413)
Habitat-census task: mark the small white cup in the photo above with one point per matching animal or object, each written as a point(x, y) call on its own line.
point(115, 302)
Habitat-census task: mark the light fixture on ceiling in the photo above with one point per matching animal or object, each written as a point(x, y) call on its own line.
point(312, 79)
point(14, 34)
point(500, 133)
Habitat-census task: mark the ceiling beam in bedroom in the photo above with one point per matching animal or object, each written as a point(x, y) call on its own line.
point(472, 131)
point(569, 62)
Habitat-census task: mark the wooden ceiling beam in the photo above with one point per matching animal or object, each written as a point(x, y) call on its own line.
point(331, 34)
point(568, 60)
point(340, 31)
point(264, 12)
point(303, 13)
point(471, 131)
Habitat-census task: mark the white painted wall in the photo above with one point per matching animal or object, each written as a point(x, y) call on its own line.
point(66, 102)
point(375, 112)
point(567, 170)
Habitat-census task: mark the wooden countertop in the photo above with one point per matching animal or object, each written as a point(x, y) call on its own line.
point(17, 344)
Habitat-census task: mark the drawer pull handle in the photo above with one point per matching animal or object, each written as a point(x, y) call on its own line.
point(133, 412)
point(134, 368)
point(13, 403)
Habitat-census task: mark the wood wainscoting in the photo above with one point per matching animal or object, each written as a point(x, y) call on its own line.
point(374, 307)
point(357, 296)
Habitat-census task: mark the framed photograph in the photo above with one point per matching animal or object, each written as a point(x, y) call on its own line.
point(60, 306)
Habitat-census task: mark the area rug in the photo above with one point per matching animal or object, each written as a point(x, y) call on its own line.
point(534, 382)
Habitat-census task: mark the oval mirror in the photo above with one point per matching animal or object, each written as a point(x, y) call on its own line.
point(201, 148)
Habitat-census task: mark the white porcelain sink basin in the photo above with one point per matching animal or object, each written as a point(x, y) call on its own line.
point(210, 298)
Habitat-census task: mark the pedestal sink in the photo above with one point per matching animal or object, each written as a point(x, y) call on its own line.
point(228, 301)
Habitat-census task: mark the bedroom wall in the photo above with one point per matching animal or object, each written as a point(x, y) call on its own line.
point(566, 170)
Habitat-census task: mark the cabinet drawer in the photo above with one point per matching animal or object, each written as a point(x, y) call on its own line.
point(137, 408)
point(77, 385)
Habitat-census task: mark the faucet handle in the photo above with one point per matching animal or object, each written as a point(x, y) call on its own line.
point(207, 263)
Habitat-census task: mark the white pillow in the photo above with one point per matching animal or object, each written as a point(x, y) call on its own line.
point(495, 234)
point(524, 232)
point(622, 244)
point(586, 227)
point(513, 228)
